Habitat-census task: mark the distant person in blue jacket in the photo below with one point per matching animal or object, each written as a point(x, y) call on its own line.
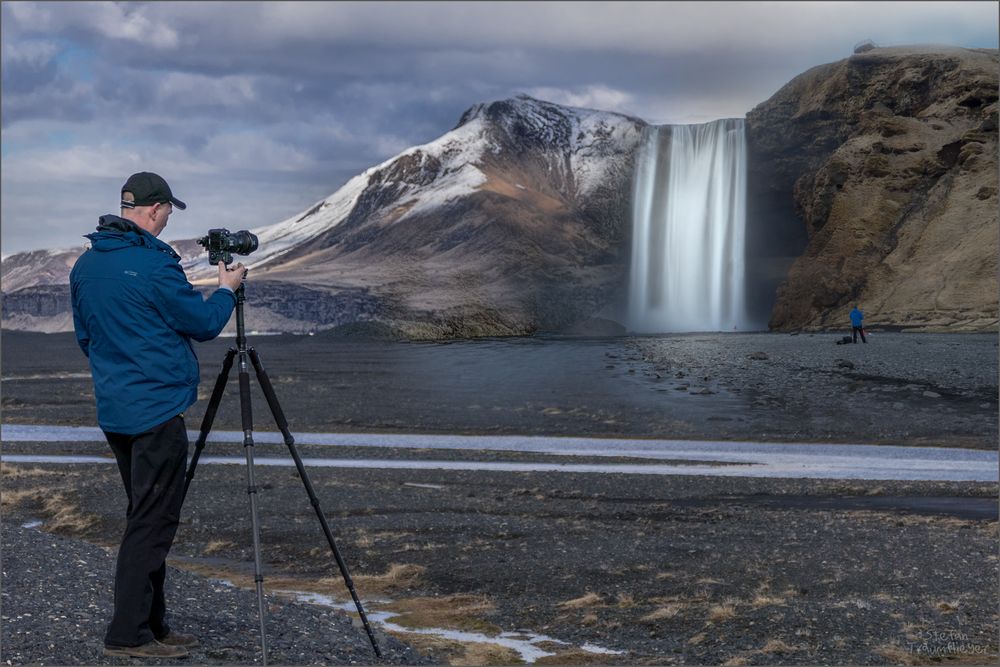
point(857, 325)
point(135, 315)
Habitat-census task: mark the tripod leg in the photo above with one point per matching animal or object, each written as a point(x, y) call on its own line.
point(246, 414)
point(279, 419)
point(206, 422)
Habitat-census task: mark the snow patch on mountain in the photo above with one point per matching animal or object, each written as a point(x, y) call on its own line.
point(593, 141)
point(459, 152)
point(276, 239)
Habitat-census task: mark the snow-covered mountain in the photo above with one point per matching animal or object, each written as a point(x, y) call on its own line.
point(508, 223)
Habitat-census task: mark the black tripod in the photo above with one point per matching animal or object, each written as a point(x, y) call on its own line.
point(246, 415)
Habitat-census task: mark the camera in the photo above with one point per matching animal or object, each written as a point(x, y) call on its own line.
point(220, 244)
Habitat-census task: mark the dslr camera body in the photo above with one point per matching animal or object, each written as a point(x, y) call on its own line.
point(221, 243)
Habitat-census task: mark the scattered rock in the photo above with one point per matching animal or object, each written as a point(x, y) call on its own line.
point(760, 356)
point(931, 394)
point(843, 363)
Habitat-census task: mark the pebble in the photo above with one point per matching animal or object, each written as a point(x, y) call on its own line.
point(41, 568)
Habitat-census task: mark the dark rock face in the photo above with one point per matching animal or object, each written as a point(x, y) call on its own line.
point(37, 301)
point(318, 306)
point(888, 162)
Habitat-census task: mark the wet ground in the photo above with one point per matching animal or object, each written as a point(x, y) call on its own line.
point(934, 389)
point(623, 568)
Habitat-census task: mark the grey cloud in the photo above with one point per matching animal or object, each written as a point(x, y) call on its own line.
point(211, 91)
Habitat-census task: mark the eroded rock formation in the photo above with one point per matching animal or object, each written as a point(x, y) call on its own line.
point(890, 160)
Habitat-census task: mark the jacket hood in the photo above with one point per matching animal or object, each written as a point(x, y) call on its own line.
point(115, 233)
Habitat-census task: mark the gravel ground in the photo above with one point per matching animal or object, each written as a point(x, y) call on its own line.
point(56, 597)
point(662, 570)
point(900, 388)
point(678, 570)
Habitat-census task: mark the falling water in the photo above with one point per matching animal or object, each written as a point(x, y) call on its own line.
point(689, 214)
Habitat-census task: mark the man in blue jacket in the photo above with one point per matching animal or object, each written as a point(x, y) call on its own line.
point(857, 325)
point(135, 315)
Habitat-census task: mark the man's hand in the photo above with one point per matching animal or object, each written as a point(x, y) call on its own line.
point(231, 277)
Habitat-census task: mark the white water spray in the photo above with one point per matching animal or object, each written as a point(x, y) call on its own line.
point(689, 218)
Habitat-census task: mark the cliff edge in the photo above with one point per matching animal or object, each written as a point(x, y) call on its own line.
point(890, 158)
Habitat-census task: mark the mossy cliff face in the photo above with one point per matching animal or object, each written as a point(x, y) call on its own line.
point(890, 158)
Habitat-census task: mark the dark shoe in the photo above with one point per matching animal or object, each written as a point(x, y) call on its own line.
point(173, 638)
point(152, 649)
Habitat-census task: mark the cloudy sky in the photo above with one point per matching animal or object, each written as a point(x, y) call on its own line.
point(254, 111)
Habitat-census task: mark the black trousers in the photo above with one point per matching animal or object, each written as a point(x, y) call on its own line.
point(858, 330)
point(152, 466)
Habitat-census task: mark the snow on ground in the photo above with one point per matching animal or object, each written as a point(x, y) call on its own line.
point(747, 459)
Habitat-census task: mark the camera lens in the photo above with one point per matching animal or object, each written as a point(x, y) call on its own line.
point(243, 242)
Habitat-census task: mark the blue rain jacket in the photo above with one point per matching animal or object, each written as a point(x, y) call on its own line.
point(856, 318)
point(135, 314)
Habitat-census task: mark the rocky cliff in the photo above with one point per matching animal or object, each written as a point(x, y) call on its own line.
point(889, 161)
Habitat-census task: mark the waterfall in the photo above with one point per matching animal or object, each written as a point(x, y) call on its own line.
point(688, 219)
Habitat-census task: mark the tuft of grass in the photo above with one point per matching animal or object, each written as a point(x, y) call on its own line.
point(777, 646)
point(15, 498)
point(722, 612)
point(60, 513)
point(946, 607)
point(763, 600)
point(577, 657)
point(697, 639)
point(399, 577)
point(736, 661)
point(454, 612)
point(626, 601)
point(215, 546)
point(65, 517)
point(661, 614)
point(11, 471)
point(897, 655)
point(487, 654)
point(451, 652)
point(588, 600)
point(589, 619)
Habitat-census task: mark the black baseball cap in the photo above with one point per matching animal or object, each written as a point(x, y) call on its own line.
point(149, 189)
